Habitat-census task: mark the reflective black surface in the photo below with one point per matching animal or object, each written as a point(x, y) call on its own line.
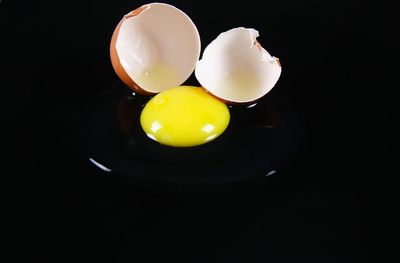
point(259, 140)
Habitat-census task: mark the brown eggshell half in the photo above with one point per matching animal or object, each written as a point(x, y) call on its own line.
point(119, 69)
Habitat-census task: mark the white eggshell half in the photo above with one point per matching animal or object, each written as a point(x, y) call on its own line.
point(236, 69)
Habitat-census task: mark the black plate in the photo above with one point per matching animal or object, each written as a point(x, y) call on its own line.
point(259, 140)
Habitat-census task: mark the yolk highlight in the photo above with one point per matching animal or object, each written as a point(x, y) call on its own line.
point(184, 116)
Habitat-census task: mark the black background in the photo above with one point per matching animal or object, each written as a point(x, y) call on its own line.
point(339, 74)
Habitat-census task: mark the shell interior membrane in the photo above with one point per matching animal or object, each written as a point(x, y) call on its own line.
point(158, 47)
point(236, 68)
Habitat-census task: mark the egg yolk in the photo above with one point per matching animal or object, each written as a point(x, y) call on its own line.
point(184, 116)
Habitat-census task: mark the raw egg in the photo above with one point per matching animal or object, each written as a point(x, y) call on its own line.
point(156, 47)
point(184, 116)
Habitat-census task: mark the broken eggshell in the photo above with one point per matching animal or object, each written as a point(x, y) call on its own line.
point(154, 47)
point(236, 69)
point(157, 47)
